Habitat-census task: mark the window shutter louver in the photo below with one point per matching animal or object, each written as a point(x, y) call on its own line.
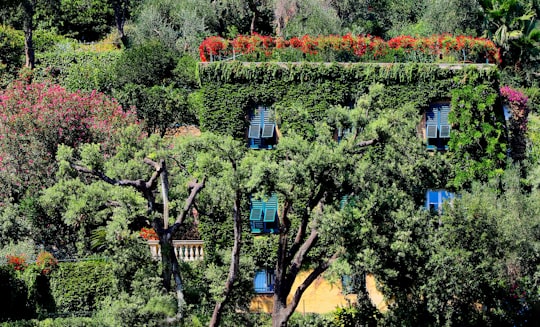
point(254, 131)
point(444, 126)
point(268, 131)
point(257, 207)
point(271, 209)
point(432, 123)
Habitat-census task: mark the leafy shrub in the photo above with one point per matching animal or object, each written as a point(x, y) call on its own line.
point(76, 70)
point(46, 262)
point(80, 286)
point(11, 53)
point(126, 310)
point(147, 64)
point(13, 296)
point(310, 319)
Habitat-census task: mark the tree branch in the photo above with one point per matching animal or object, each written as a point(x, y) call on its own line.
point(321, 268)
point(138, 184)
point(367, 143)
point(316, 200)
point(302, 252)
point(195, 189)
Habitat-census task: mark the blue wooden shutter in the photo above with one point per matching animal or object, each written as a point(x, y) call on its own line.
point(432, 200)
point(255, 143)
point(264, 281)
point(255, 124)
point(343, 201)
point(444, 125)
point(445, 196)
point(267, 123)
point(435, 199)
point(259, 282)
point(432, 122)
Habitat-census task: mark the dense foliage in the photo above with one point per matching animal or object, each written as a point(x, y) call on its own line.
point(474, 261)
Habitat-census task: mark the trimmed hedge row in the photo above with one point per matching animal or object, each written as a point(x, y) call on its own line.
point(74, 287)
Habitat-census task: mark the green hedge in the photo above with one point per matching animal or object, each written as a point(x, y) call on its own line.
point(58, 322)
point(80, 286)
point(13, 293)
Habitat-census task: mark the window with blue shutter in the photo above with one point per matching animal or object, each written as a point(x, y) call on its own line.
point(437, 127)
point(261, 131)
point(264, 281)
point(263, 216)
point(436, 198)
point(343, 133)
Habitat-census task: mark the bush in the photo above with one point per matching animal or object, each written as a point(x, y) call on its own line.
point(148, 64)
point(11, 53)
point(310, 320)
point(13, 296)
point(81, 286)
point(35, 118)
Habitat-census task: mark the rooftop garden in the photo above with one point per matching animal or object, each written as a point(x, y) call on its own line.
point(351, 48)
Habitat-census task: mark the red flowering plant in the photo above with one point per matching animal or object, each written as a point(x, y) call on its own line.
point(404, 42)
point(148, 234)
point(353, 48)
point(46, 262)
point(213, 46)
point(17, 262)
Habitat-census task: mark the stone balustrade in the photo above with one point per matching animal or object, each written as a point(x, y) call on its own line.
point(185, 250)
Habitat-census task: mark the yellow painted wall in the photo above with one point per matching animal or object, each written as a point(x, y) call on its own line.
point(321, 296)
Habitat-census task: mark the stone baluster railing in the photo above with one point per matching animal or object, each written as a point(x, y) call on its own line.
point(185, 250)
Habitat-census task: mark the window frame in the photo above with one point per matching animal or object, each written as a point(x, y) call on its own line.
point(261, 223)
point(442, 196)
point(262, 129)
point(264, 281)
point(439, 124)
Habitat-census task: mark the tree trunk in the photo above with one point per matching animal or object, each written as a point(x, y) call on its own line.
point(28, 27)
point(120, 15)
point(235, 264)
point(279, 312)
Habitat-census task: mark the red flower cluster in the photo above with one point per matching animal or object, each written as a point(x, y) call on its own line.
point(358, 45)
point(17, 262)
point(148, 234)
point(46, 262)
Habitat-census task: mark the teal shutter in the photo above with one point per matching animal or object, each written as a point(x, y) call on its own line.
point(257, 207)
point(343, 201)
point(271, 209)
point(267, 123)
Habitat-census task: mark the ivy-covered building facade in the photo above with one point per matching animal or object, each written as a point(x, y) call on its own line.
point(445, 121)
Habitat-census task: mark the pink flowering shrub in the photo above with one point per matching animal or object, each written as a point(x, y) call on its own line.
point(519, 110)
point(35, 118)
